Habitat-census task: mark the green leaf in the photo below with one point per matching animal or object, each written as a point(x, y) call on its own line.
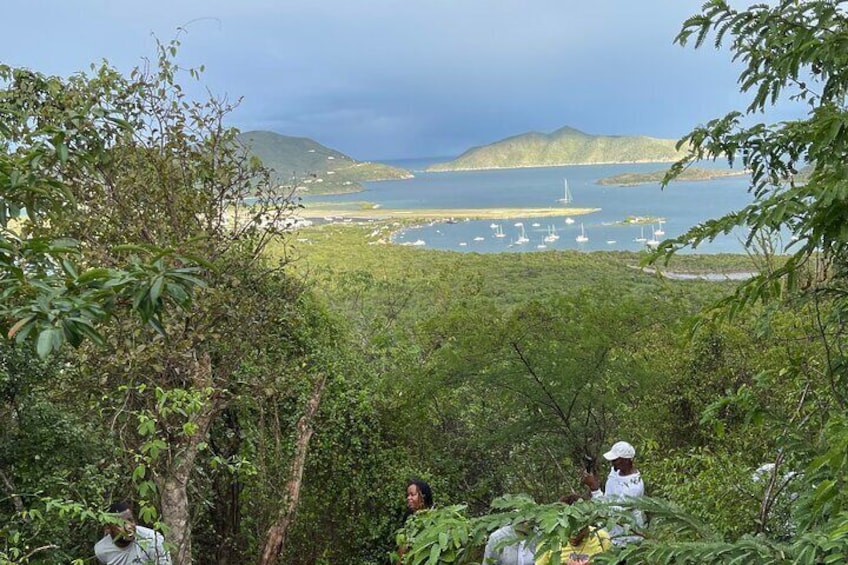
point(19, 324)
point(139, 472)
point(92, 275)
point(156, 289)
point(435, 551)
point(45, 343)
point(62, 152)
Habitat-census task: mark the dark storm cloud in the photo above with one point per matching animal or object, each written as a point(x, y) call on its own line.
point(381, 79)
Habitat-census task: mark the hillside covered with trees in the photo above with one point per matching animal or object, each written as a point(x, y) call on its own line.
point(261, 396)
point(565, 146)
point(312, 167)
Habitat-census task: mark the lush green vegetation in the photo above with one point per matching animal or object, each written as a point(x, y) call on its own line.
point(690, 174)
point(308, 166)
point(262, 397)
point(763, 378)
point(566, 146)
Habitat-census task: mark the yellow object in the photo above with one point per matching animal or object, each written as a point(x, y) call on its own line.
point(597, 541)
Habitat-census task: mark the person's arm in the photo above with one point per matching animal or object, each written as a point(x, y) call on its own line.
point(489, 555)
point(162, 555)
point(594, 484)
point(493, 552)
point(99, 554)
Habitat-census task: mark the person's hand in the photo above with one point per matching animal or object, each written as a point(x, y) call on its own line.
point(591, 481)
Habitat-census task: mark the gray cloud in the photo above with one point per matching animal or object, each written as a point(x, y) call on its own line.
point(398, 78)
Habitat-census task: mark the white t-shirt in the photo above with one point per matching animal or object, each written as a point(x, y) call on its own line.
point(520, 552)
point(618, 488)
point(148, 548)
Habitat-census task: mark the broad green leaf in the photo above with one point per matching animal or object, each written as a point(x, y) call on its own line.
point(45, 343)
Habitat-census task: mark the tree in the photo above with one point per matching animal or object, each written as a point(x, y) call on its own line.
point(135, 202)
point(52, 134)
point(789, 49)
point(795, 50)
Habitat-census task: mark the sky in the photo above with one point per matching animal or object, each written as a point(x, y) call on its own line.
point(392, 79)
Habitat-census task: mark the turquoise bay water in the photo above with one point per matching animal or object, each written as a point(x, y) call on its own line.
point(681, 205)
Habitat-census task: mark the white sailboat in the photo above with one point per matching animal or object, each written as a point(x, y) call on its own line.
point(499, 231)
point(552, 234)
point(659, 230)
point(582, 238)
point(522, 237)
point(567, 197)
point(653, 242)
point(641, 238)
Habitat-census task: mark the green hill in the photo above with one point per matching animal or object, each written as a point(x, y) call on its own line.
point(690, 174)
point(313, 167)
point(566, 146)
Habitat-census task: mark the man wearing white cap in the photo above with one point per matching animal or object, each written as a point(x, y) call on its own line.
point(624, 481)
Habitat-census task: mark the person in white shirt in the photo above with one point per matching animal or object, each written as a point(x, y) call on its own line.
point(510, 545)
point(127, 543)
point(624, 482)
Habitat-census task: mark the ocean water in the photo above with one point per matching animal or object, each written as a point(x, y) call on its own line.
point(681, 206)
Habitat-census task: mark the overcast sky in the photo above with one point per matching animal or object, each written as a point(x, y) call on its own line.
point(382, 79)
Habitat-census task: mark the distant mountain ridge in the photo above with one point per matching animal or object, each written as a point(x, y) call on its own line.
point(565, 146)
point(314, 167)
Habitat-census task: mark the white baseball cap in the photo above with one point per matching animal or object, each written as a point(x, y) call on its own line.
point(620, 449)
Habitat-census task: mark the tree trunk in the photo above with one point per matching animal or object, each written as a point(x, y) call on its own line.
point(275, 538)
point(225, 511)
point(17, 502)
point(174, 486)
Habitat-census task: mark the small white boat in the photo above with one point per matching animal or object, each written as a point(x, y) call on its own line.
point(535, 225)
point(611, 242)
point(569, 220)
point(462, 244)
point(641, 238)
point(653, 243)
point(567, 197)
point(522, 237)
point(493, 226)
point(518, 224)
point(499, 231)
point(582, 238)
point(659, 231)
point(479, 238)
